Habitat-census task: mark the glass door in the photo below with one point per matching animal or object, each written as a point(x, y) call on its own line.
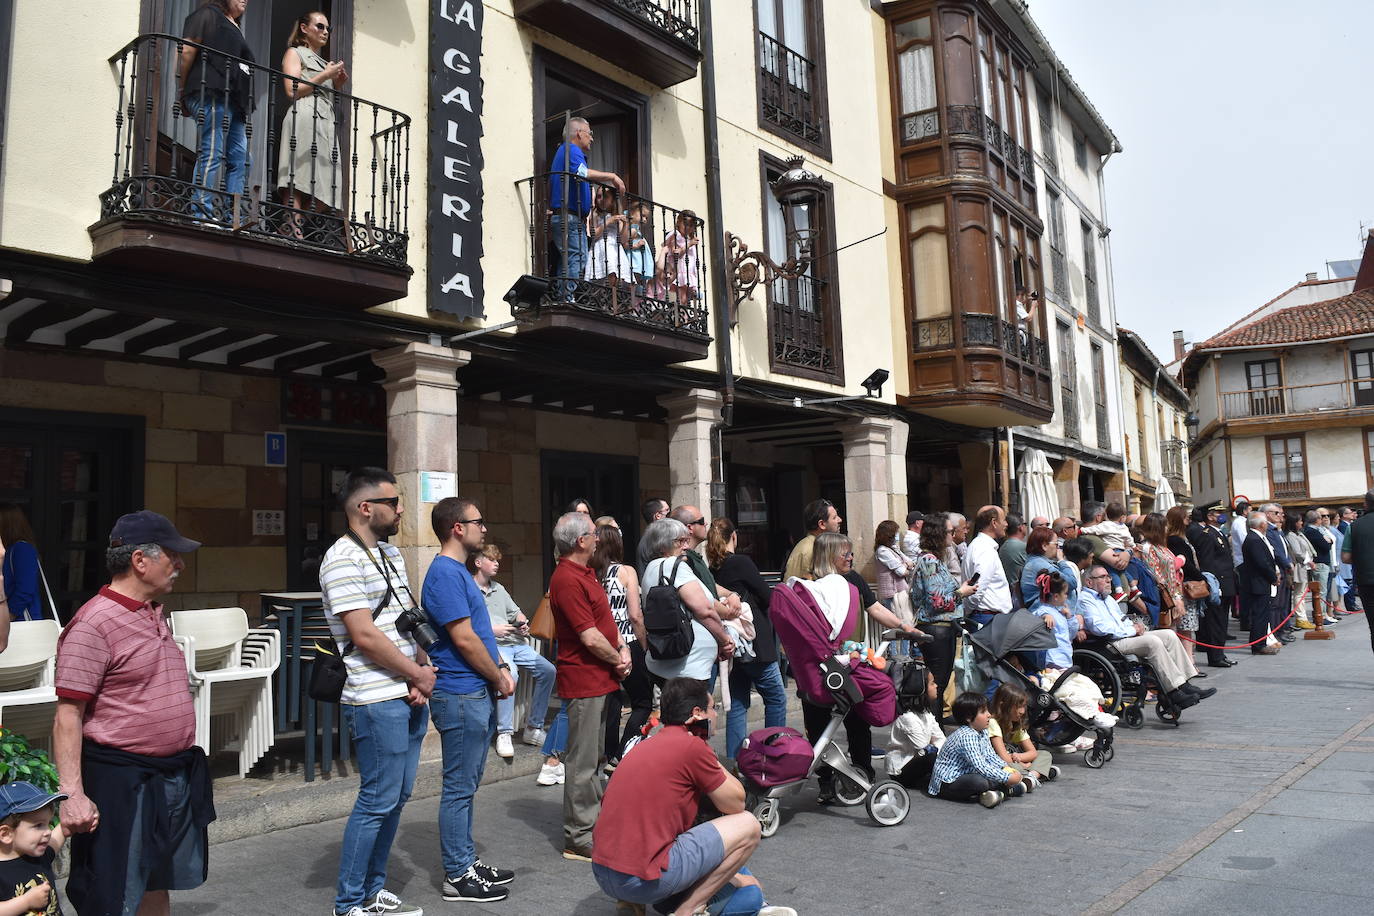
point(316, 464)
point(609, 482)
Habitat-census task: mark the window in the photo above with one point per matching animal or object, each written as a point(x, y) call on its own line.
point(1100, 398)
point(1287, 467)
point(1058, 264)
point(918, 116)
point(804, 321)
point(1080, 150)
point(1067, 376)
point(1362, 372)
point(1047, 132)
point(1369, 455)
point(1090, 273)
point(1263, 381)
point(1211, 473)
point(791, 80)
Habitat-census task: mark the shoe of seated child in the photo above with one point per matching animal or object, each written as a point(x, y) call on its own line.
point(1053, 774)
point(1020, 789)
point(1031, 781)
point(991, 798)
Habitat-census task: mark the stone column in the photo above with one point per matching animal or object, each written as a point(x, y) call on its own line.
point(421, 435)
point(898, 502)
point(867, 484)
point(690, 418)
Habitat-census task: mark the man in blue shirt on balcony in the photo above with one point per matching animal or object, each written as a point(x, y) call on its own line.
point(570, 200)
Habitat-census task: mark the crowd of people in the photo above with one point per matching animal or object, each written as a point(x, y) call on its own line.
point(600, 233)
point(661, 819)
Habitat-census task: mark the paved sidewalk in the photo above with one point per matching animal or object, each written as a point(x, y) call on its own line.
point(1259, 802)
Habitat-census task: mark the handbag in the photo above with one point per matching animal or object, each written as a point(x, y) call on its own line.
point(775, 756)
point(1196, 590)
point(328, 672)
point(541, 624)
point(667, 621)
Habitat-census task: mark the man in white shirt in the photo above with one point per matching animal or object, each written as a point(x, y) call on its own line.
point(994, 594)
point(1239, 514)
point(911, 538)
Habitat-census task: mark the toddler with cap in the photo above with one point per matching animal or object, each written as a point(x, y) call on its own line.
point(28, 845)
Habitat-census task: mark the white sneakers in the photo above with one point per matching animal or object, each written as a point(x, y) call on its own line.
point(504, 747)
point(533, 736)
point(551, 775)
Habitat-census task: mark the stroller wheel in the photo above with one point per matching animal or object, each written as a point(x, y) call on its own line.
point(768, 816)
point(888, 803)
point(847, 791)
point(1095, 757)
point(1167, 714)
point(1108, 752)
point(1133, 717)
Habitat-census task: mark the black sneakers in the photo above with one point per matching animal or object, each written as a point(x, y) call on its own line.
point(471, 886)
point(497, 876)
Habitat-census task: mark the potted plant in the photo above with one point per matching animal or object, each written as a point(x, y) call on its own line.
point(21, 761)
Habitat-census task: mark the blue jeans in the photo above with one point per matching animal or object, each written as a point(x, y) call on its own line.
point(556, 741)
point(570, 235)
point(223, 155)
point(466, 723)
point(386, 741)
point(765, 678)
point(542, 670)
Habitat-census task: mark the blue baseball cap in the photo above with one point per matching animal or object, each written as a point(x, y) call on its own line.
point(148, 527)
point(23, 797)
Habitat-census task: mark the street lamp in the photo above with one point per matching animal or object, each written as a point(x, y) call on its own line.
point(799, 189)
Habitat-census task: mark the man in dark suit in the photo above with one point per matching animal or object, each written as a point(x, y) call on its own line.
point(1214, 556)
point(1283, 602)
point(1259, 582)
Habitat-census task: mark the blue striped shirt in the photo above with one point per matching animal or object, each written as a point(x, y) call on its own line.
point(966, 751)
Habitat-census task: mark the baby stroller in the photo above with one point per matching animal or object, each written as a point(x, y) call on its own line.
point(1052, 722)
point(775, 762)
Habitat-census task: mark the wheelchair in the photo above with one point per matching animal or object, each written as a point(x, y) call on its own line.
point(1125, 681)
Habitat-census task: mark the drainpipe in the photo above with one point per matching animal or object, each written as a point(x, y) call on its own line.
point(720, 298)
point(1116, 341)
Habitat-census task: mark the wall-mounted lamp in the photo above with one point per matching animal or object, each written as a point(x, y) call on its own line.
point(797, 188)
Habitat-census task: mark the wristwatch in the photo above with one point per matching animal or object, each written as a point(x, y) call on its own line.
point(503, 666)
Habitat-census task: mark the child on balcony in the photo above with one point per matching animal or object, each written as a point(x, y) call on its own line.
point(641, 249)
point(683, 262)
point(606, 225)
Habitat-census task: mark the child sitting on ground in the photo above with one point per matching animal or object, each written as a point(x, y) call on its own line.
point(916, 735)
point(1114, 531)
point(1007, 733)
point(967, 767)
point(28, 845)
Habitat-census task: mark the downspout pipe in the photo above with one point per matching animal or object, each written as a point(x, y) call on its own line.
point(719, 284)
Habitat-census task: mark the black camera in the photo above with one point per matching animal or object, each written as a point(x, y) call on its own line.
point(414, 623)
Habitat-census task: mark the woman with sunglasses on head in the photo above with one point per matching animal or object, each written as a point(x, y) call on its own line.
point(308, 157)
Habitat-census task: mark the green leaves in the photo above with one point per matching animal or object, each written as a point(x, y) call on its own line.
point(20, 761)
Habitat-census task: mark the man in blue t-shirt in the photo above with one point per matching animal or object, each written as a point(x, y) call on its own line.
point(570, 200)
point(471, 678)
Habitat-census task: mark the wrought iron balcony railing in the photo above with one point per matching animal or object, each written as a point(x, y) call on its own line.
point(225, 149)
point(788, 91)
point(617, 255)
point(676, 19)
point(801, 335)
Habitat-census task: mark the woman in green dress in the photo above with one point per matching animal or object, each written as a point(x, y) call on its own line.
point(309, 163)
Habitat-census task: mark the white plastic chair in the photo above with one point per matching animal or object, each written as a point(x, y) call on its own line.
point(28, 701)
point(231, 670)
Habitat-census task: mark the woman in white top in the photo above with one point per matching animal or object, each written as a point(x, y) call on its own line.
point(622, 589)
point(668, 540)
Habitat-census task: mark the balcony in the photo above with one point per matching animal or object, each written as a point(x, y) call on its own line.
point(658, 40)
point(322, 205)
point(641, 289)
point(1174, 458)
point(980, 370)
point(1306, 401)
point(802, 339)
point(789, 98)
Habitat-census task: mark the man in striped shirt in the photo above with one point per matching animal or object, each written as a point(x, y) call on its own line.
point(124, 734)
point(389, 684)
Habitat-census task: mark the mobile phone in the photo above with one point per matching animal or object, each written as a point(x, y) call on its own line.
point(973, 579)
point(700, 728)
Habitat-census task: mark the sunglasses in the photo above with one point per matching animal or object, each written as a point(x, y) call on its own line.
point(700, 521)
point(392, 501)
point(479, 522)
point(320, 26)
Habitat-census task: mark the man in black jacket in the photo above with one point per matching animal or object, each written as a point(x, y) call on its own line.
point(1259, 582)
point(1214, 556)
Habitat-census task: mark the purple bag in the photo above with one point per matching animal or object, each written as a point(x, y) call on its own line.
point(774, 756)
point(879, 706)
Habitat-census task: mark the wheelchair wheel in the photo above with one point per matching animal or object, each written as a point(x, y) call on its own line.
point(848, 792)
point(1133, 716)
point(888, 803)
point(1097, 668)
point(768, 815)
point(1167, 714)
point(1095, 757)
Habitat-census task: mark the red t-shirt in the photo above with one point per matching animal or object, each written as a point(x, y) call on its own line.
point(652, 800)
point(118, 656)
point(579, 603)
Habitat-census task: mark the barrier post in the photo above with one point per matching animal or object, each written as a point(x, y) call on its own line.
point(1318, 615)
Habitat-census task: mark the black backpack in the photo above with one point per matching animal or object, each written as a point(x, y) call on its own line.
point(667, 621)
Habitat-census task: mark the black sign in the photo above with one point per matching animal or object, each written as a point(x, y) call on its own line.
point(455, 157)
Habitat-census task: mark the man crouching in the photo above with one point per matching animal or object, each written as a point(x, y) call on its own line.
point(645, 849)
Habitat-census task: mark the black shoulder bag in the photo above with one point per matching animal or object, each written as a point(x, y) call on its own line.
point(328, 673)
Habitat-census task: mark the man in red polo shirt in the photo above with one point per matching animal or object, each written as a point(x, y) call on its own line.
point(592, 660)
point(124, 735)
